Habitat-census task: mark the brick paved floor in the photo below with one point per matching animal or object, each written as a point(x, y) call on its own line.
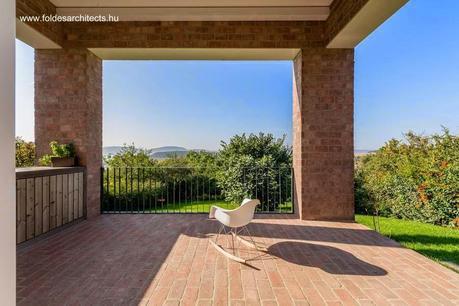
point(166, 259)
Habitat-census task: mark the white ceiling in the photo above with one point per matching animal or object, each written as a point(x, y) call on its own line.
point(176, 10)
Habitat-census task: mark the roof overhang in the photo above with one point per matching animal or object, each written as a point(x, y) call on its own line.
point(344, 23)
point(367, 19)
point(198, 10)
point(33, 38)
point(194, 54)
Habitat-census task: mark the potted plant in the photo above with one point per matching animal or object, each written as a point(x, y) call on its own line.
point(62, 155)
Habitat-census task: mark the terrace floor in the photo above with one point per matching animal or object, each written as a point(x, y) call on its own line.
point(166, 259)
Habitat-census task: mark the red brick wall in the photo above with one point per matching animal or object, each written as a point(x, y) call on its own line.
point(68, 108)
point(69, 101)
point(323, 136)
point(196, 34)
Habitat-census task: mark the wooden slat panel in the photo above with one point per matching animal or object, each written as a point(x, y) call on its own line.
point(70, 204)
point(59, 199)
point(76, 192)
point(80, 195)
point(46, 212)
point(30, 228)
point(52, 202)
point(21, 206)
point(65, 202)
point(46, 202)
point(38, 205)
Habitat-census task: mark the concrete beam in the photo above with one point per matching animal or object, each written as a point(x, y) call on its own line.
point(33, 38)
point(194, 53)
point(364, 22)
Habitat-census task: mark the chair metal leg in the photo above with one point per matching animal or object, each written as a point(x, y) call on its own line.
point(252, 242)
point(219, 233)
point(223, 251)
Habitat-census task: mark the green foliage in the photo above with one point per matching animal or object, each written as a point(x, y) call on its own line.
point(25, 153)
point(57, 150)
point(437, 242)
point(253, 163)
point(254, 166)
point(417, 179)
point(130, 157)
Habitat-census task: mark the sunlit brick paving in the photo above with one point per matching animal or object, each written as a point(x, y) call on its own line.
point(168, 260)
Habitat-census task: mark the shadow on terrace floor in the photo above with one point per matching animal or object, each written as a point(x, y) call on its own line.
point(113, 259)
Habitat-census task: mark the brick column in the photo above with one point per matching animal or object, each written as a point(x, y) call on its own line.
point(68, 108)
point(323, 133)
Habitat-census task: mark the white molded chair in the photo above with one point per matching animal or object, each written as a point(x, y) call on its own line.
point(237, 220)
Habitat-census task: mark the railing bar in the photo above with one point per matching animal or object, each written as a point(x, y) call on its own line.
point(149, 191)
point(191, 194)
point(256, 184)
point(126, 190)
point(143, 190)
point(108, 187)
point(155, 195)
point(119, 190)
point(280, 191)
point(138, 190)
point(262, 194)
point(197, 193)
point(117, 195)
point(268, 189)
point(167, 197)
point(130, 197)
point(162, 196)
point(114, 189)
point(173, 198)
point(186, 196)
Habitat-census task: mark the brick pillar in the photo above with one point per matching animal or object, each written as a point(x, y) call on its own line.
point(68, 108)
point(323, 140)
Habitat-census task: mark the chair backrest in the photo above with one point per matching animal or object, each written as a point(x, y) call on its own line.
point(244, 214)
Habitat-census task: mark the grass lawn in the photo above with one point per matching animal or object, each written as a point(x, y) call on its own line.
point(436, 242)
point(197, 207)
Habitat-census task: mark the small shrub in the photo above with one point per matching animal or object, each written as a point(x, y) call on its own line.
point(57, 150)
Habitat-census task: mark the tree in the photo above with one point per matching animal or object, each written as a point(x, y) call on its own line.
point(253, 166)
point(25, 153)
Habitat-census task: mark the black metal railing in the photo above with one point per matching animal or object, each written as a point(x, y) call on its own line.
point(193, 190)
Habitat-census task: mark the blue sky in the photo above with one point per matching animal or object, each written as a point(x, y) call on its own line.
point(406, 78)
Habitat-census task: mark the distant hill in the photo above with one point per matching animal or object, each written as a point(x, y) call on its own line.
point(156, 153)
point(169, 151)
point(168, 154)
point(362, 152)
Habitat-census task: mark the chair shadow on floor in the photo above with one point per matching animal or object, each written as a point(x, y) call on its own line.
point(327, 258)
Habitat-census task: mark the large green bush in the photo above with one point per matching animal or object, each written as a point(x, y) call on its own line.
point(255, 166)
point(415, 179)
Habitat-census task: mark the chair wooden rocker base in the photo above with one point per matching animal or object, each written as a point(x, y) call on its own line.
point(237, 221)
